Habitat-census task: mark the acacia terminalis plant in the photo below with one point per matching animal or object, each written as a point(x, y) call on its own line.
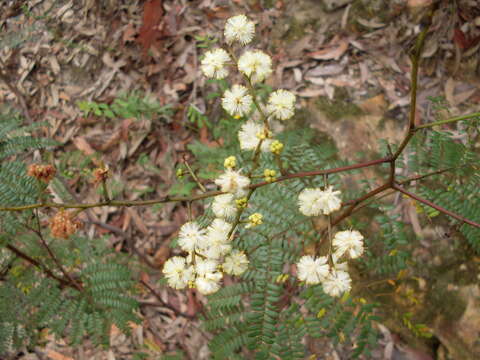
point(256, 227)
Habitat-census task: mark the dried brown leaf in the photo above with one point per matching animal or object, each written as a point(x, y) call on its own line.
point(419, 3)
point(82, 144)
point(54, 355)
point(161, 255)
point(150, 33)
point(332, 51)
point(311, 92)
point(137, 220)
point(129, 33)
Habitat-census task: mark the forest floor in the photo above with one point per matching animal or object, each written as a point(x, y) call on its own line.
point(349, 67)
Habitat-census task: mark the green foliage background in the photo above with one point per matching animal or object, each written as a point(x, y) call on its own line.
point(30, 301)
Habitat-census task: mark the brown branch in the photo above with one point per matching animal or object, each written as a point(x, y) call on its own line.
point(415, 57)
point(324, 172)
point(420, 177)
point(167, 199)
point(126, 203)
point(435, 206)
point(39, 265)
point(65, 273)
point(403, 182)
point(356, 202)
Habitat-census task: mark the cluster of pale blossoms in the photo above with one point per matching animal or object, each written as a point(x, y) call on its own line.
point(335, 279)
point(209, 250)
point(238, 101)
point(210, 254)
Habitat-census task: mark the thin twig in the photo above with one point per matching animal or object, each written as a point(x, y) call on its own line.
point(416, 56)
point(331, 262)
point(127, 203)
point(192, 174)
point(358, 201)
point(38, 232)
point(448, 121)
point(323, 171)
point(39, 265)
point(435, 206)
point(403, 182)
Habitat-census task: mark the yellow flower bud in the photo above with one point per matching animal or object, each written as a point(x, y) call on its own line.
point(242, 202)
point(254, 220)
point(269, 175)
point(276, 147)
point(230, 162)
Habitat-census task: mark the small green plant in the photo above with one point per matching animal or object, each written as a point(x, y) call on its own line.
point(196, 117)
point(126, 106)
point(205, 41)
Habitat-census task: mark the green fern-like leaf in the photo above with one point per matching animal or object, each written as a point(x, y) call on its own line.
point(340, 319)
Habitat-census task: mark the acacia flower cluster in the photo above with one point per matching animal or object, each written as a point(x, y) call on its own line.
point(230, 162)
point(224, 206)
point(233, 182)
point(239, 28)
point(237, 101)
point(335, 280)
point(214, 63)
point(209, 254)
point(313, 271)
point(313, 202)
point(276, 147)
point(269, 175)
point(348, 243)
point(43, 173)
point(63, 224)
point(256, 65)
point(281, 104)
point(250, 135)
point(209, 251)
point(254, 220)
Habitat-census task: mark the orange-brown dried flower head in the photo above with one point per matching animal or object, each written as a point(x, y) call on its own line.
point(43, 173)
point(100, 175)
point(62, 225)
